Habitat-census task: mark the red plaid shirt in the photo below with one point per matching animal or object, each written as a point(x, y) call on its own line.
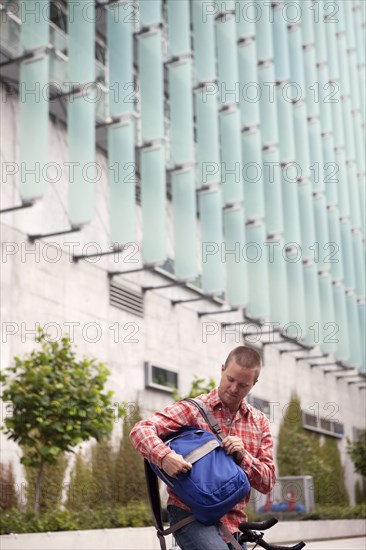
point(250, 424)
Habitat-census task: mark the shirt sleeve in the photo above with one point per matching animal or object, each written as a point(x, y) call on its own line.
point(260, 469)
point(146, 436)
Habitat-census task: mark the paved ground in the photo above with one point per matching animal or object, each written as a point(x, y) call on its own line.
point(358, 543)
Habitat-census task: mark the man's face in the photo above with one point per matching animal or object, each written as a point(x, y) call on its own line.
point(236, 382)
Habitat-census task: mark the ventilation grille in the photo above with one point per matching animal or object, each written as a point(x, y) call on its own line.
point(126, 299)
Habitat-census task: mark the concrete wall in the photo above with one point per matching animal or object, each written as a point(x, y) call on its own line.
point(42, 286)
point(145, 538)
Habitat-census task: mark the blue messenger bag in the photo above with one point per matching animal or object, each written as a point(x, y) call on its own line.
point(215, 483)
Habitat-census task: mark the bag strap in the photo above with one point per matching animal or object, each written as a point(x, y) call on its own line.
point(229, 536)
point(153, 486)
point(155, 505)
point(207, 415)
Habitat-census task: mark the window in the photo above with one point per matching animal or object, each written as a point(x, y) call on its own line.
point(160, 378)
point(312, 422)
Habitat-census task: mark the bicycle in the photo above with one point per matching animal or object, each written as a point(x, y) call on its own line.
point(252, 532)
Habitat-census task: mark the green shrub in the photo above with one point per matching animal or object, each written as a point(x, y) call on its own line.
point(136, 514)
point(300, 453)
point(360, 491)
point(337, 512)
point(8, 488)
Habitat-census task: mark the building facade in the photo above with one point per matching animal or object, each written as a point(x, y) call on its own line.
point(179, 178)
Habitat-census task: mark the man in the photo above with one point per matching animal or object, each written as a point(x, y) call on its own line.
point(246, 433)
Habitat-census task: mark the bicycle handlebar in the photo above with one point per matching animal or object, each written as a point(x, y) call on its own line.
point(248, 527)
point(268, 546)
point(257, 525)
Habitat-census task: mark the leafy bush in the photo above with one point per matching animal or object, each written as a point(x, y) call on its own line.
point(337, 512)
point(8, 490)
point(136, 514)
point(300, 453)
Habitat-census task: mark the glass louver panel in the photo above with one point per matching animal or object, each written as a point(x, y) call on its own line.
point(213, 274)
point(307, 25)
point(296, 63)
point(334, 249)
point(359, 262)
point(277, 277)
point(316, 155)
point(151, 85)
point(285, 127)
point(248, 84)
point(307, 221)
point(327, 93)
point(122, 182)
point(33, 103)
point(314, 335)
point(280, 44)
point(267, 104)
point(231, 165)
point(34, 30)
point(362, 322)
point(295, 291)
point(245, 15)
point(359, 142)
point(227, 60)
point(181, 112)
point(208, 167)
point(301, 139)
point(361, 83)
point(184, 221)
point(179, 40)
point(353, 330)
point(203, 41)
point(236, 273)
point(33, 114)
point(340, 312)
point(84, 174)
point(290, 199)
point(349, 140)
point(120, 42)
point(362, 193)
point(348, 19)
point(331, 172)
point(309, 60)
point(347, 252)
point(353, 78)
point(319, 35)
point(264, 32)
point(333, 64)
point(342, 60)
point(81, 45)
point(342, 182)
point(353, 194)
point(272, 191)
point(252, 173)
point(337, 121)
point(149, 12)
point(153, 192)
point(359, 38)
point(321, 229)
point(329, 326)
point(257, 269)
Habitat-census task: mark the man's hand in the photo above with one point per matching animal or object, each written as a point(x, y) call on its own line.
point(233, 445)
point(174, 464)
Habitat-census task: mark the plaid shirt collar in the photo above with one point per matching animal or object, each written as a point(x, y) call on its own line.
point(216, 401)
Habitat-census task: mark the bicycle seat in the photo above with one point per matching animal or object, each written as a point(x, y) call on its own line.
point(257, 525)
